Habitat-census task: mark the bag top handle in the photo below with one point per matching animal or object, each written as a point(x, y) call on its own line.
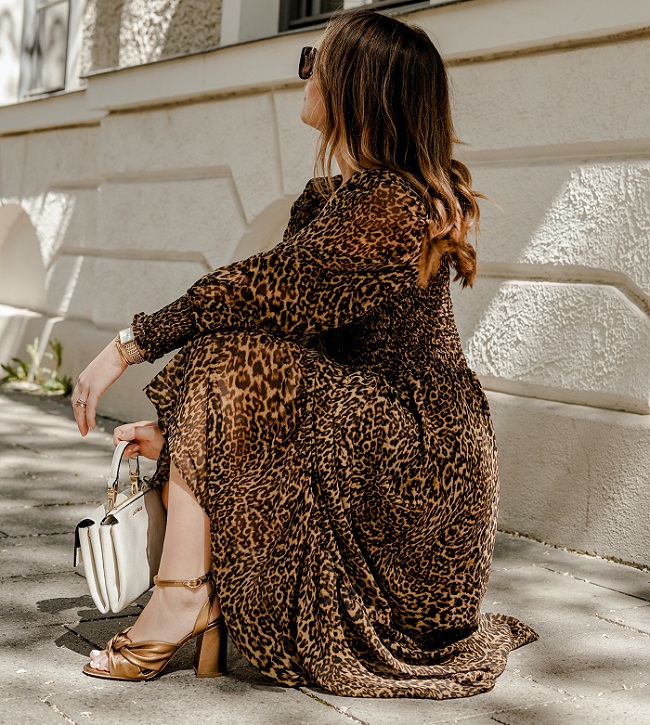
point(114, 477)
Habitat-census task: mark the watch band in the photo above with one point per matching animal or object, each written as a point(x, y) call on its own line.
point(128, 348)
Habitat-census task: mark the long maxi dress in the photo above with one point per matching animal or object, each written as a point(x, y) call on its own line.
point(322, 412)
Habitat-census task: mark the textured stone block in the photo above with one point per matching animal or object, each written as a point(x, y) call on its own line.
point(184, 215)
point(156, 29)
point(573, 342)
point(590, 216)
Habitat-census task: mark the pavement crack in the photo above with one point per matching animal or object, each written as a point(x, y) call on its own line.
point(36, 536)
point(56, 710)
point(620, 624)
point(340, 710)
point(65, 503)
point(589, 581)
point(30, 449)
point(80, 636)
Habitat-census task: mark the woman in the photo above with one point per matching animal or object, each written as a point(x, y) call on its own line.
point(328, 454)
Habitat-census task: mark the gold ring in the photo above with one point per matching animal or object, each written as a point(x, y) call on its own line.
point(80, 402)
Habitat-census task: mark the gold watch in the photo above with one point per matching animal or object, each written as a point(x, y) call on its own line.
point(127, 341)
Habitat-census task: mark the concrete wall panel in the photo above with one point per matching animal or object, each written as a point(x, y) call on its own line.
point(61, 216)
point(236, 134)
point(126, 287)
point(593, 94)
point(193, 215)
point(71, 283)
point(12, 158)
point(575, 476)
point(53, 157)
point(579, 343)
point(297, 141)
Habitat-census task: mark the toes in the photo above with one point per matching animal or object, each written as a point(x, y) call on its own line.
point(99, 660)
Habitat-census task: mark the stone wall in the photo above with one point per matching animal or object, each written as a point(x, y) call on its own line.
point(122, 33)
point(117, 198)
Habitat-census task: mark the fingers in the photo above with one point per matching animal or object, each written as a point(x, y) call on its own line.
point(142, 430)
point(131, 451)
point(127, 432)
point(79, 405)
point(91, 411)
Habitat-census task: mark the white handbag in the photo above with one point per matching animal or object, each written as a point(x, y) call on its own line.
point(120, 543)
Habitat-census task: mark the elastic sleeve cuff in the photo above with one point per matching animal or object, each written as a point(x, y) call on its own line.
point(139, 326)
point(165, 330)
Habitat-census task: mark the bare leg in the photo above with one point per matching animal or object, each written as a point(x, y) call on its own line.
point(171, 611)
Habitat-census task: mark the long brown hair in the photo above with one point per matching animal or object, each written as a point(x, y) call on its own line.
point(386, 97)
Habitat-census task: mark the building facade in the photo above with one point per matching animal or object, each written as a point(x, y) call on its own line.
point(164, 141)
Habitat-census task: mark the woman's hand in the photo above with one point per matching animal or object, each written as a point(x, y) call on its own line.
point(93, 382)
point(146, 436)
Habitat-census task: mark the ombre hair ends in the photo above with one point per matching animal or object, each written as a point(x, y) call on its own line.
point(386, 97)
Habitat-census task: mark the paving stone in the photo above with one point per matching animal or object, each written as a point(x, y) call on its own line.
point(508, 693)
point(636, 618)
point(19, 710)
point(536, 594)
point(46, 600)
point(42, 520)
point(623, 707)
point(516, 551)
point(36, 555)
point(584, 657)
point(48, 667)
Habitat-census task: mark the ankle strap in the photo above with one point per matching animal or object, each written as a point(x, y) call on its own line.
point(189, 583)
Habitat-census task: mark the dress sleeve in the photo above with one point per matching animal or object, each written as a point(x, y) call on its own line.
point(361, 249)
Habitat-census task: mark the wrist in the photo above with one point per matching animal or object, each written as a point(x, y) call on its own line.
point(124, 360)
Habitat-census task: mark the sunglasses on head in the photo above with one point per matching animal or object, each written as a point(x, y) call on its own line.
point(306, 67)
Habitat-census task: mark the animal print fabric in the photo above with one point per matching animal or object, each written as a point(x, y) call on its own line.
point(322, 412)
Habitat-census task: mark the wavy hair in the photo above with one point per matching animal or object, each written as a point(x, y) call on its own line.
point(386, 98)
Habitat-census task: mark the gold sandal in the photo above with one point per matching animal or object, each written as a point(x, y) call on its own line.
point(144, 660)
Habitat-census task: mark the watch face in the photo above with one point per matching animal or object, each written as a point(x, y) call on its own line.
point(126, 336)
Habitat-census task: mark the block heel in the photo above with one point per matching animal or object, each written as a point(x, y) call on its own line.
point(211, 647)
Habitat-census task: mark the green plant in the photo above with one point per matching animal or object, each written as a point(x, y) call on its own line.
point(33, 374)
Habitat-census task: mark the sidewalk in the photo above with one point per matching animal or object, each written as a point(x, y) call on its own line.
point(591, 664)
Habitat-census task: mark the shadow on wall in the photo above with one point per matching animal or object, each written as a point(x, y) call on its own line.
point(265, 230)
point(121, 33)
point(22, 272)
point(22, 280)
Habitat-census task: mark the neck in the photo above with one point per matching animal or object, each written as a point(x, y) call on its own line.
point(346, 169)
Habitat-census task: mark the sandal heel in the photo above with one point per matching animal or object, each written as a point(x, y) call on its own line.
point(211, 648)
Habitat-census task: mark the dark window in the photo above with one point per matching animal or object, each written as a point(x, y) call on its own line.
point(295, 14)
point(44, 47)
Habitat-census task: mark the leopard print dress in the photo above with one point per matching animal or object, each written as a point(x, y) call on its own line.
point(323, 414)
